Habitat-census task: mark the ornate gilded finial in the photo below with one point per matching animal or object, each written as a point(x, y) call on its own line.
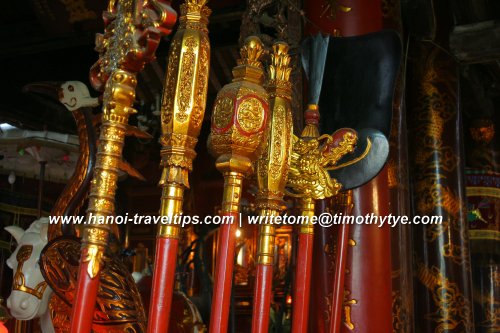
point(192, 12)
point(280, 69)
point(251, 52)
point(128, 43)
point(185, 90)
point(311, 159)
point(241, 109)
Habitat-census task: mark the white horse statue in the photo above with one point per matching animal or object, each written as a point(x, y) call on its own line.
point(30, 293)
point(118, 307)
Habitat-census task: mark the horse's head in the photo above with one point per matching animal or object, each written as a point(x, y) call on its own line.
point(30, 293)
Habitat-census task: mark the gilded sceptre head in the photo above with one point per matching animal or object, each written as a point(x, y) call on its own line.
point(240, 113)
point(185, 92)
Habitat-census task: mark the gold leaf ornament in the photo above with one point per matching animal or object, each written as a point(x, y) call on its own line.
point(94, 258)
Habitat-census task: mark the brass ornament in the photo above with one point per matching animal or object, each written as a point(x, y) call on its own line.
point(118, 100)
point(171, 205)
point(312, 156)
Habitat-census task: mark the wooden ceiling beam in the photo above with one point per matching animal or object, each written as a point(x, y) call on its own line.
point(476, 43)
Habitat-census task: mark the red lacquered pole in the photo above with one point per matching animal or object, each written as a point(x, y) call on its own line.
point(163, 284)
point(223, 276)
point(262, 299)
point(344, 200)
point(167, 242)
point(338, 280)
point(86, 292)
point(264, 276)
point(300, 311)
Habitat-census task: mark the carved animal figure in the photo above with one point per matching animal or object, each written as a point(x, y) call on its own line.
point(45, 278)
point(30, 293)
point(47, 257)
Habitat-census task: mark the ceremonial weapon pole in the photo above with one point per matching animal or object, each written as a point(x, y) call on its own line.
point(133, 31)
point(239, 123)
point(182, 111)
point(272, 170)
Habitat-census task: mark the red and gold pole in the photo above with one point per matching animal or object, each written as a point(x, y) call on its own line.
point(343, 201)
point(308, 179)
point(239, 123)
point(303, 269)
point(121, 58)
point(182, 111)
point(272, 170)
point(302, 283)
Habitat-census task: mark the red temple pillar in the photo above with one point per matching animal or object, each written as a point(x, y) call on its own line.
point(368, 293)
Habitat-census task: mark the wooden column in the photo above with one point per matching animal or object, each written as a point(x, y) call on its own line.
point(443, 300)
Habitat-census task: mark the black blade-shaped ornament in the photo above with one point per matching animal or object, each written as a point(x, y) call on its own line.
point(314, 51)
point(356, 89)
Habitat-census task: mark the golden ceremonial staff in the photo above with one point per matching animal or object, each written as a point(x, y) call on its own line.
point(309, 180)
point(239, 123)
point(133, 30)
point(182, 112)
point(272, 170)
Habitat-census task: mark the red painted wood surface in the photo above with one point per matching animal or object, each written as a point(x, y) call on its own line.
point(223, 276)
point(163, 284)
point(369, 281)
point(300, 313)
point(364, 17)
point(86, 292)
point(262, 298)
point(368, 284)
point(338, 279)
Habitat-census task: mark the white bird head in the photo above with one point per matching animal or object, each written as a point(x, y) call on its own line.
point(75, 94)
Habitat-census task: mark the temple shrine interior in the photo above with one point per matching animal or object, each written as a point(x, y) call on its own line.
point(322, 166)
